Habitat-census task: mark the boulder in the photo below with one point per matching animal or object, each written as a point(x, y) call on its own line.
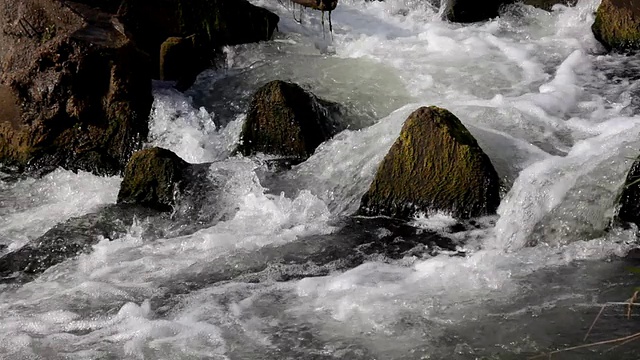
point(214, 23)
point(548, 4)
point(467, 11)
point(74, 89)
point(284, 119)
point(629, 199)
point(180, 61)
point(617, 24)
point(435, 164)
point(159, 179)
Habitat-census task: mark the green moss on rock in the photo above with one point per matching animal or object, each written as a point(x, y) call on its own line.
point(435, 164)
point(284, 119)
point(152, 179)
point(617, 24)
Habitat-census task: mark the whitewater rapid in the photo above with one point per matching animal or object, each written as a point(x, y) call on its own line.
point(554, 113)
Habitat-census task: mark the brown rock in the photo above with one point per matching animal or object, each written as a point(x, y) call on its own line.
point(81, 90)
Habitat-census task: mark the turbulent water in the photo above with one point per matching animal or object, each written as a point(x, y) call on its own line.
point(275, 279)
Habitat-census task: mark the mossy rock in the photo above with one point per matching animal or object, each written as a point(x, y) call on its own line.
point(617, 24)
point(284, 119)
point(152, 178)
point(435, 164)
point(629, 199)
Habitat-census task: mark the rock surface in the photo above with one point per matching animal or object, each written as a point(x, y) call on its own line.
point(617, 24)
point(467, 11)
point(284, 119)
point(435, 164)
point(213, 23)
point(74, 89)
point(629, 200)
point(66, 240)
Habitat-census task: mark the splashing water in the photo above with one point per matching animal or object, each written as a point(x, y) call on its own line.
point(271, 280)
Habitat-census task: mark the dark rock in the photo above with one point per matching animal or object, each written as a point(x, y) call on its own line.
point(67, 240)
point(214, 23)
point(466, 11)
point(629, 200)
point(284, 119)
point(548, 4)
point(435, 164)
point(617, 24)
point(74, 90)
point(180, 61)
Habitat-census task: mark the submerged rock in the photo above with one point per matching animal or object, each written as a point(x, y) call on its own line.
point(466, 11)
point(284, 119)
point(629, 200)
point(435, 164)
point(69, 239)
point(74, 89)
point(617, 24)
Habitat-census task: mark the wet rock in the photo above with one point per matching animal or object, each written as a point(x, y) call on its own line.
point(180, 61)
point(284, 119)
point(74, 89)
point(617, 24)
point(467, 11)
point(435, 164)
point(629, 200)
point(67, 240)
point(214, 23)
point(548, 4)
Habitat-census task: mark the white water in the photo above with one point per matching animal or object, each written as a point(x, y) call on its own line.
point(558, 124)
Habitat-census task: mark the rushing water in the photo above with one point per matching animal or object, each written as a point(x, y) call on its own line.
point(275, 279)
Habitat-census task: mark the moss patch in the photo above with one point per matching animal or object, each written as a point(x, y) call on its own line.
point(284, 119)
point(152, 179)
point(617, 25)
point(435, 164)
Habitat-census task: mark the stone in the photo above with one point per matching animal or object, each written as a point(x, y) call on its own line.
point(617, 24)
point(435, 164)
point(629, 199)
point(467, 11)
point(284, 119)
point(75, 91)
point(152, 178)
point(214, 23)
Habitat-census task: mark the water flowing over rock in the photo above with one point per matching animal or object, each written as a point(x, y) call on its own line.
point(284, 119)
point(68, 239)
point(617, 24)
point(629, 201)
point(75, 90)
point(435, 164)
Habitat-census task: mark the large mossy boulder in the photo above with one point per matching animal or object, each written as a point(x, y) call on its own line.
point(629, 200)
point(285, 120)
point(435, 164)
point(74, 89)
point(617, 24)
